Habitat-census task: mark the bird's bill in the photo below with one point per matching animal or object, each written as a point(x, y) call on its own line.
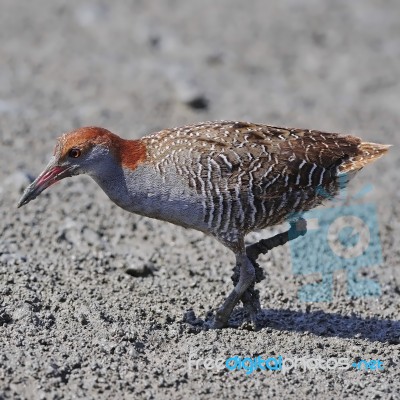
point(51, 174)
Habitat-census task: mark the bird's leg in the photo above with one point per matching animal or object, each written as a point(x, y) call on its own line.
point(247, 276)
point(251, 298)
point(247, 272)
point(297, 228)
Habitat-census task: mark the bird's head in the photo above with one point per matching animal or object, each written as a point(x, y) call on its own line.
point(86, 150)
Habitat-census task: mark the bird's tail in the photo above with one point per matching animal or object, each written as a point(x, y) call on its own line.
point(367, 153)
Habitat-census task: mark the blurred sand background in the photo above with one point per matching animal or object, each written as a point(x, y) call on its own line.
point(81, 316)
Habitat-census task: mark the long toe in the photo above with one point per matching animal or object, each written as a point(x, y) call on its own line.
point(252, 306)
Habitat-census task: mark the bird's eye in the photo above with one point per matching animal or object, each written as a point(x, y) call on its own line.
point(74, 153)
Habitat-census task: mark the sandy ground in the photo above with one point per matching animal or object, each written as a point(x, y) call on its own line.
point(92, 298)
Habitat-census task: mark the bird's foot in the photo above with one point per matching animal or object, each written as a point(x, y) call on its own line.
point(221, 318)
point(249, 318)
point(190, 318)
point(245, 278)
point(251, 297)
point(218, 320)
point(210, 322)
point(216, 324)
point(252, 306)
point(251, 313)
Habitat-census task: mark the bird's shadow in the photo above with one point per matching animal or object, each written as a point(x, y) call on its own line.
point(319, 323)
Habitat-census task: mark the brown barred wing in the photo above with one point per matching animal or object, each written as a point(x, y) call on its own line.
point(305, 173)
